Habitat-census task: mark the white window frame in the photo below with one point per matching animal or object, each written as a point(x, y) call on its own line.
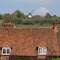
point(6, 51)
point(42, 51)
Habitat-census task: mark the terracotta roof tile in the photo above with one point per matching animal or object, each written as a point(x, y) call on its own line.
point(25, 40)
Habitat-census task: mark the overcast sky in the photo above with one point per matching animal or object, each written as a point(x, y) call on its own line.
point(40, 7)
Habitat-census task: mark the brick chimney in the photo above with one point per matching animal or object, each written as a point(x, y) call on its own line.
point(8, 23)
point(55, 26)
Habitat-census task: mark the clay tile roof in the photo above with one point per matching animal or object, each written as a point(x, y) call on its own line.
point(25, 40)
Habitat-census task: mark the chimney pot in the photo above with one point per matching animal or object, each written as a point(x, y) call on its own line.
point(55, 27)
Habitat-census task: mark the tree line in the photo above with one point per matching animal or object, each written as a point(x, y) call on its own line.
point(19, 17)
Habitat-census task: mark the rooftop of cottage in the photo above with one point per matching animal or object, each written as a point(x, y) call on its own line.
point(26, 40)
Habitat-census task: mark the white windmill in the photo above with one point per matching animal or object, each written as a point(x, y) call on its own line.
point(30, 14)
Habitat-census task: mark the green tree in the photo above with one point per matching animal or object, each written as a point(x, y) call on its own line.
point(19, 14)
point(1, 16)
point(7, 16)
point(28, 22)
point(48, 15)
point(54, 16)
point(36, 17)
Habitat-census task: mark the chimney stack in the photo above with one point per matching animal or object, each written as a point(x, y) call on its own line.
point(7, 23)
point(55, 26)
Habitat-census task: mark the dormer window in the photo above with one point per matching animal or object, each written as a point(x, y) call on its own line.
point(42, 51)
point(6, 51)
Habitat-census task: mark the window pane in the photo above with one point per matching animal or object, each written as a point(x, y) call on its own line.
point(40, 50)
point(8, 51)
point(44, 50)
point(4, 51)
